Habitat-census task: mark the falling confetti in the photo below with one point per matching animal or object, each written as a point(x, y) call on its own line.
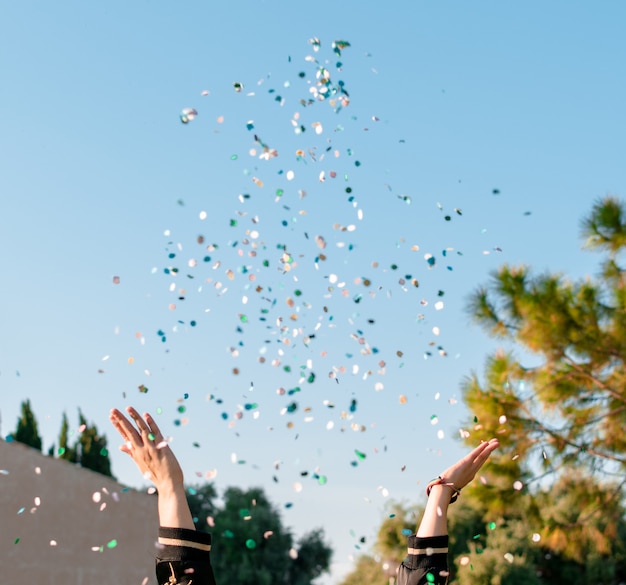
point(187, 115)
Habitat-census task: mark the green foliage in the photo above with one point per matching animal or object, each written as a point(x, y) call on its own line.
point(313, 558)
point(201, 500)
point(541, 512)
point(571, 533)
point(89, 448)
point(27, 431)
point(399, 522)
point(505, 558)
point(390, 547)
point(65, 451)
point(570, 403)
point(252, 545)
point(559, 411)
point(92, 448)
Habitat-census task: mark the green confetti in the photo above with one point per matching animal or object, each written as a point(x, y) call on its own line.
point(112, 543)
point(360, 454)
point(250, 544)
point(16, 540)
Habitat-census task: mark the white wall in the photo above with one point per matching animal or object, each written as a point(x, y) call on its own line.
point(68, 515)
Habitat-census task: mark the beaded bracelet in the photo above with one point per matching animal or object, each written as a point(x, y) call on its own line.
point(456, 492)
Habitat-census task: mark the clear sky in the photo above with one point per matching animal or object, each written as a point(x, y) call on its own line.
point(511, 113)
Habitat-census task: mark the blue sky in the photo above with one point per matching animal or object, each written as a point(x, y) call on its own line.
point(449, 102)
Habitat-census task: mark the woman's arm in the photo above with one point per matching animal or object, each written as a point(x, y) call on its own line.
point(183, 553)
point(156, 461)
point(449, 484)
point(427, 559)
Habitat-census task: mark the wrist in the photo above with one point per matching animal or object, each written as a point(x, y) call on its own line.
point(170, 490)
point(443, 487)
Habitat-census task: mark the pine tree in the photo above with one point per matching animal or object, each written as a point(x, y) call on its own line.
point(564, 401)
point(555, 396)
point(65, 450)
point(27, 431)
point(91, 448)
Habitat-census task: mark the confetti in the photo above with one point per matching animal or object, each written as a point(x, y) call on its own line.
point(187, 115)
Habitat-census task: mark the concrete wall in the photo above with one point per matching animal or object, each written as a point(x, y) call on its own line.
point(68, 514)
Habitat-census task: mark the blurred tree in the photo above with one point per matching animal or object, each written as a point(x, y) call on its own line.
point(571, 533)
point(91, 448)
point(312, 560)
point(65, 451)
point(560, 419)
point(391, 540)
point(559, 411)
point(567, 405)
point(27, 431)
point(201, 500)
point(252, 546)
point(389, 549)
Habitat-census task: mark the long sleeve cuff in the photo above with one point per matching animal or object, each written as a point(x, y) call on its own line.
point(184, 557)
point(183, 544)
point(427, 551)
point(426, 562)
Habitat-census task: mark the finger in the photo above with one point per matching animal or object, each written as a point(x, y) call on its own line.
point(156, 431)
point(125, 427)
point(126, 449)
point(482, 457)
point(141, 424)
point(119, 429)
point(471, 457)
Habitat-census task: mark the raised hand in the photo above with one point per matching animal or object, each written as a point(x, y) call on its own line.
point(446, 488)
point(464, 470)
point(145, 443)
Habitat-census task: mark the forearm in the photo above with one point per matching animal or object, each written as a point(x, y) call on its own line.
point(435, 519)
point(173, 508)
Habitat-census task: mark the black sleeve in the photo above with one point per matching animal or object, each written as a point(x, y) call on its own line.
point(426, 563)
point(184, 557)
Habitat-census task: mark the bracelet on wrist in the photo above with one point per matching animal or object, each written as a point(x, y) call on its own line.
point(456, 492)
